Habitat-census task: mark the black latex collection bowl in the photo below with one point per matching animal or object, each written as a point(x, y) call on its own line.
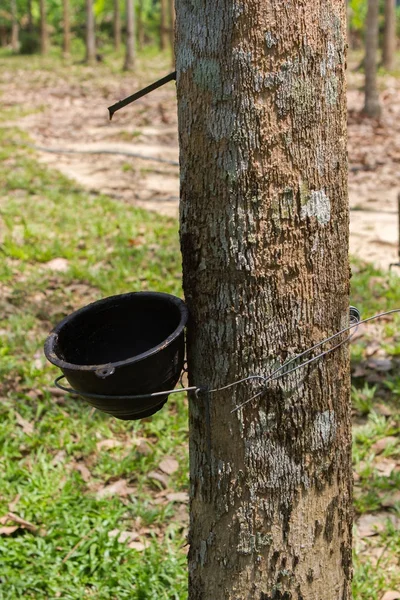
point(125, 345)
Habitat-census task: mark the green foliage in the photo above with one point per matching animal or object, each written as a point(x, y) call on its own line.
point(358, 13)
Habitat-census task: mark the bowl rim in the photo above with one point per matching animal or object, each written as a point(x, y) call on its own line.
point(50, 343)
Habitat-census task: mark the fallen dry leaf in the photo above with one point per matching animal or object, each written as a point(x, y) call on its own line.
point(391, 595)
point(21, 523)
point(372, 524)
point(160, 477)
point(382, 365)
point(118, 488)
point(8, 530)
point(182, 497)
point(83, 470)
point(131, 537)
point(383, 443)
point(385, 466)
point(57, 264)
point(138, 546)
point(59, 458)
point(389, 500)
point(108, 444)
point(143, 448)
point(383, 410)
point(168, 465)
point(123, 536)
point(26, 426)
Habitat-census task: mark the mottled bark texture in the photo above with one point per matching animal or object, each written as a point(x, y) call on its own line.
point(372, 107)
point(264, 236)
point(389, 34)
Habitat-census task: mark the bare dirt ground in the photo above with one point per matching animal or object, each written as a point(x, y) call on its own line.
point(134, 157)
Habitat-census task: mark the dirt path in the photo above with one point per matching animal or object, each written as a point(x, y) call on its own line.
point(71, 116)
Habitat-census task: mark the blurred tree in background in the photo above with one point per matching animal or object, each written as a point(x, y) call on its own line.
point(33, 26)
point(30, 26)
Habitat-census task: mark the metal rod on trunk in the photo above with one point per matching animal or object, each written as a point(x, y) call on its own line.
point(153, 86)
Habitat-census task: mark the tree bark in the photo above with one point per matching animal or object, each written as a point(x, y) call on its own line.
point(14, 27)
point(389, 34)
point(264, 238)
point(117, 25)
point(372, 107)
point(171, 11)
point(130, 37)
point(140, 27)
point(67, 29)
point(348, 16)
point(44, 40)
point(30, 17)
point(3, 36)
point(90, 34)
point(163, 25)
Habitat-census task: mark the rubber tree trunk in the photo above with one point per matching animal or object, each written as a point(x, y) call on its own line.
point(129, 63)
point(90, 34)
point(14, 27)
point(372, 107)
point(44, 40)
point(117, 25)
point(264, 238)
point(67, 29)
point(389, 35)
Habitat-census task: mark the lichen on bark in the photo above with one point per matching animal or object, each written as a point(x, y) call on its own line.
point(264, 234)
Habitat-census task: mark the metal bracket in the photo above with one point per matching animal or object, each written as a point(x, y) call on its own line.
point(153, 86)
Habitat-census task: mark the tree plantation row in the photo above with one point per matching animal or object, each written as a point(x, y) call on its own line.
point(30, 26)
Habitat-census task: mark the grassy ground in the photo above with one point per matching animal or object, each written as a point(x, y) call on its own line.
point(74, 474)
point(92, 507)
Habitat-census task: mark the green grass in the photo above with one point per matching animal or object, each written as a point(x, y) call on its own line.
point(109, 247)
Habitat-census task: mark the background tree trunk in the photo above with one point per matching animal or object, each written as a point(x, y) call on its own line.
point(3, 36)
point(44, 40)
point(130, 37)
point(30, 17)
point(171, 11)
point(264, 236)
point(117, 25)
point(163, 25)
point(90, 34)
point(371, 107)
point(67, 29)
point(14, 27)
point(389, 35)
point(349, 15)
point(140, 26)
